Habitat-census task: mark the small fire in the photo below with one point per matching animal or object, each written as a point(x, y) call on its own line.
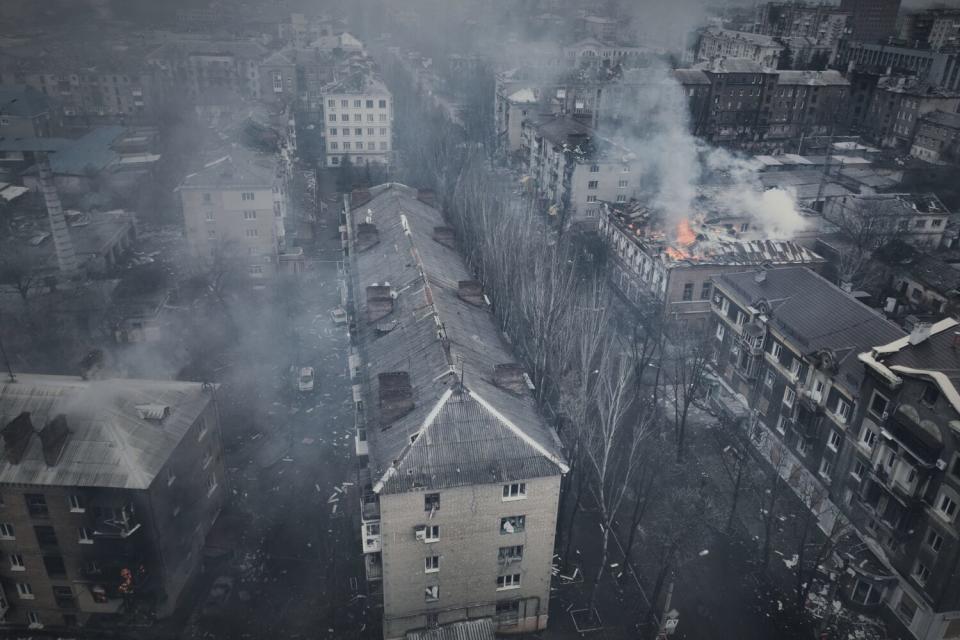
point(685, 238)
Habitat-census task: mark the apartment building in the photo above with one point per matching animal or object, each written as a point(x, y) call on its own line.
point(573, 170)
point(808, 103)
point(359, 126)
point(199, 67)
point(920, 219)
point(824, 23)
point(741, 91)
point(937, 138)
point(460, 505)
point(716, 44)
point(897, 106)
point(871, 20)
point(109, 488)
point(903, 487)
point(940, 69)
point(234, 209)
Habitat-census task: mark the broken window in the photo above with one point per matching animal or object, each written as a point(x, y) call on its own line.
point(431, 502)
point(512, 524)
point(510, 554)
point(36, 504)
point(508, 610)
point(432, 593)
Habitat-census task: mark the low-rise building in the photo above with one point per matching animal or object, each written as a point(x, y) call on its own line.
point(359, 121)
point(938, 137)
point(109, 490)
point(573, 170)
point(717, 44)
point(463, 475)
point(917, 218)
point(24, 113)
point(234, 210)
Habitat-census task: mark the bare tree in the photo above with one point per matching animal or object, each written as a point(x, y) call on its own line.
point(687, 369)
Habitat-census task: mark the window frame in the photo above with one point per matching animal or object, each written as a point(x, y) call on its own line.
point(514, 491)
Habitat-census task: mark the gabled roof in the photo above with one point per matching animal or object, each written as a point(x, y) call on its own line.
point(463, 429)
point(22, 101)
point(814, 315)
point(92, 151)
point(110, 444)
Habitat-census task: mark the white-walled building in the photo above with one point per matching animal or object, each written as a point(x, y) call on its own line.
point(358, 121)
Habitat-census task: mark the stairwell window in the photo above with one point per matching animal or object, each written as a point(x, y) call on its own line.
point(509, 581)
point(515, 491)
point(76, 506)
point(84, 535)
point(431, 502)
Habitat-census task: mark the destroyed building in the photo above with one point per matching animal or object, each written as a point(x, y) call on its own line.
point(109, 488)
point(673, 266)
point(462, 473)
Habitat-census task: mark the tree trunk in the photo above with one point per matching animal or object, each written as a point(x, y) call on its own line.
point(682, 427)
point(736, 496)
point(592, 602)
point(573, 518)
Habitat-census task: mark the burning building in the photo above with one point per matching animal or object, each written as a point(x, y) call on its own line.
point(673, 264)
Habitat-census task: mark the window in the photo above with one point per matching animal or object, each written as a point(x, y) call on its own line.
point(36, 505)
point(508, 610)
point(54, 566)
point(251, 233)
point(769, 378)
point(868, 437)
point(622, 184)
point(369, 104)
point(933, 540)
point(843, 410)
point(209, 216)
point(345, 117)
point(249, 215)
point(826, 467)
point(384, 146)
point(510, 554)
point(878, 405)
point(432, 533)
point(332, 104)
point(370, 131)
point(907, 608)
point(357, 104)
point(834, 440)
point(16, 562)
point(206, 198)
point(383, 131)
point(64, 597)
point(33, 617)
point(858, 469)
point(277, 81)
point(509, 581)
point(433, 620)
point(25, 591)
point(930, 395)
point(512, 524)
point(593, 184)
point(335, 160)
point(621, 198)
point(741, 318)
point(775, 350)
point(247, 196)
point(795, 367)
point(357, 117)
point(334, 146)
point(789, 395)
point(946, 507)
point(346, 146)
point(431, 593)
point(920, 224)
point(344, 103)
point(921, 573)
point(75, 505)
point(332, 117)
point(936, 223)
point(720, 331)
point(207, 459)
point(803, 446)
point(358, 131)
point(431, 502)
point(6, 531)
point(688, 291)
point(515, 491)
point(591, 198)
point(84, 535)
point(383, 104)
point(705, 291)
point(431, 564)
point(383, 117)
point(211, 233)
point(594, 168)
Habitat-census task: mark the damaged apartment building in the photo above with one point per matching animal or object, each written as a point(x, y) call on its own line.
point(861, 421)
point(108, 489)
point(463, 475)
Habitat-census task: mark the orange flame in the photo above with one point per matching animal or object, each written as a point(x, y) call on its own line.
point(685, 234)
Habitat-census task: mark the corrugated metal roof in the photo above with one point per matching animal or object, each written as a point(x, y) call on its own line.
point(482, 629)
point(110, 445)
point(465, 440)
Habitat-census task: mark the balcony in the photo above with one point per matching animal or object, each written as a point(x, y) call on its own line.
point(810, 399)
point(373, 565)
point(113, 522)
point(370, 533)
point(370, 508)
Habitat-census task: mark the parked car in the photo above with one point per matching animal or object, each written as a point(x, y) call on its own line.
point(305, 379)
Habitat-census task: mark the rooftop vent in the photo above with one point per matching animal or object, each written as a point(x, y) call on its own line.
point(380, 301)
point(154, 412)
point(471, 291)
point(760, 276)
point(444, 235)
point(16, 437)
point(509, 377)
point(395, 395)
point(54, 439)
point(367, 236)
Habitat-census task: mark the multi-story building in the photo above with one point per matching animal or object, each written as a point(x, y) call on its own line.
point(919, 219)
point(937, 138)
point(825, 24)
point(871, 20)
point(903, 484)
point(573, 170)
point(939, 69)
point(301, 30)
point(234, 210)
point(24, 113)
point(808, 103)
point(741, 92)
point(674, 269)
point(359, 126)
point(109, 490)
point(695, 84)
point(197, 67)
point(896, 108)
point(279, 78)
point(460, 508)
point(717, 44)
point(931, 28)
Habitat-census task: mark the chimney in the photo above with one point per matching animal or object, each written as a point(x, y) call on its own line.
point(395, 396)
point(510, 377)
point(471, 292)
point(919, 333)
point(53, 437)
point(444, 235)
point(16, 437)
point(367, 236)
point(379, 302)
